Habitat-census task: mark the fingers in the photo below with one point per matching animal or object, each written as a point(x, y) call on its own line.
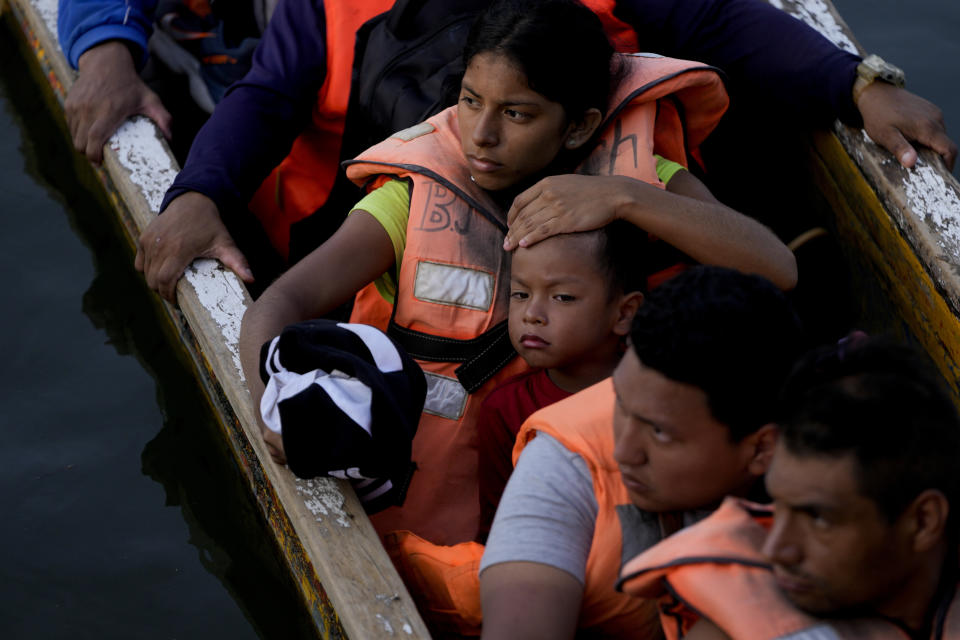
point(933, 134)
point(274, 443)
point(892, 117)
point(189, 228)
point(531, 229)
point(161, 260)
point(97, 136)
point(893, 141)
point(521, 201)
point(232, 258)
point(153, 108)
point(162, 264)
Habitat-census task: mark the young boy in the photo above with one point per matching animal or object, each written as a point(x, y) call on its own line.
point(572, 299)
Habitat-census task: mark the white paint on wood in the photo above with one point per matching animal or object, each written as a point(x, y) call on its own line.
point(322, 498)
point(817, 14)
point(221, 293)
point(48, 10)
point(139, 150)
point(931, 194)
point(929, 199)
point(387, 627)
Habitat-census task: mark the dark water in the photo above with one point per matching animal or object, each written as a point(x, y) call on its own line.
point(122, 516)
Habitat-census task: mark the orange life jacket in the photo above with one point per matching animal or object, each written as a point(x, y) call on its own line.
point(302, 182)
point(715, 569)
point(583, 423)
point(451, 305)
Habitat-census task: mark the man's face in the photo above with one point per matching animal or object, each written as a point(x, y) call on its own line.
point(831, 548)
point(672, 453)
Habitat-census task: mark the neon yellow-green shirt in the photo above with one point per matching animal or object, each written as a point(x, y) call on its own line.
point(390, 206)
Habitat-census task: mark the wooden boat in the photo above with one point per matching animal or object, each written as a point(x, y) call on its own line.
point(901, 229)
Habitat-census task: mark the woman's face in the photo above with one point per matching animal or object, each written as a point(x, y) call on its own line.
point(508, 132)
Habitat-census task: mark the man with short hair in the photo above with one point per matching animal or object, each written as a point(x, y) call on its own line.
point(684, 421)
point(863, 540)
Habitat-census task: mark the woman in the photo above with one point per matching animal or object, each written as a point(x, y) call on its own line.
point(537, 84)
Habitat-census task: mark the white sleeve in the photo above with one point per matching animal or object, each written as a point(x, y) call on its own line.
point(548, 511)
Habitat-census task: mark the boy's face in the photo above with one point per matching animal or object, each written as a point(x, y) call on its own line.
point(830, 546)
point(561, 310)
point(672, 453)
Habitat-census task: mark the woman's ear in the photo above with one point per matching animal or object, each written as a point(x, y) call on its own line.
point(581, 130)
point(626, 309)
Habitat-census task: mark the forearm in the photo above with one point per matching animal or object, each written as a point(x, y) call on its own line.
point(327, 278)
point(689, 219)
point(263, 321)
point(529, 601)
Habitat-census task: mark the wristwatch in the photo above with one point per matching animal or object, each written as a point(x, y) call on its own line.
point(875, 68)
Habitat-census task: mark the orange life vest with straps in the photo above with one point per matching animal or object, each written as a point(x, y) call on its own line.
point(451, 305)
point(715, 569)
point(445, 582)
point(303, 181)
point(583, 423)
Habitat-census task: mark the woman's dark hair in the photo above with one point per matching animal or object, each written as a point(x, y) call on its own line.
point(887, 406)
point(559, 45)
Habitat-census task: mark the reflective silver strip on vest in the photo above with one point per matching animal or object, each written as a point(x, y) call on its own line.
point(414, 132)
point(446, 397)
point(819, 632)
point(454, 286)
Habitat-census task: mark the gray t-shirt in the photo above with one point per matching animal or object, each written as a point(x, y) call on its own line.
point(549, 510)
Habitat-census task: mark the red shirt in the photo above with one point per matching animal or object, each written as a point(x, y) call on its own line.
point(502, 413)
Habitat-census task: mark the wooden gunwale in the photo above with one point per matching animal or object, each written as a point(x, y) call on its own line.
point(905, 224)
point(346, 581)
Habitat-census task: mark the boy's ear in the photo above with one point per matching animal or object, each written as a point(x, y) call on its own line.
point(629, 303)
point(580, 131)
point(761, 444)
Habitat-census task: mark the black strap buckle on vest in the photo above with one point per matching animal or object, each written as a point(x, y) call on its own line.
point(482, 357)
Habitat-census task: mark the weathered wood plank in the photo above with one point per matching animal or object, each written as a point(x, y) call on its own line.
point(906, 221)
point(334, 555)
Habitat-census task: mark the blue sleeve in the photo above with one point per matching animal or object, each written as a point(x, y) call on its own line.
point(254, 126)
point(767, 54)
point(82, 24)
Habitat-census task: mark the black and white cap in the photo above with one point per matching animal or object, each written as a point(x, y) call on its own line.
point(346, 400)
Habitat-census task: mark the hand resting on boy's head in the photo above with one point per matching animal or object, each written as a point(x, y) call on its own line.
point(684, 213)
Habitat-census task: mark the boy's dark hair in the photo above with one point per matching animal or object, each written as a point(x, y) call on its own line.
point(732, 335)
point(886, 405)
point(560, 46)
point(621, 251)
